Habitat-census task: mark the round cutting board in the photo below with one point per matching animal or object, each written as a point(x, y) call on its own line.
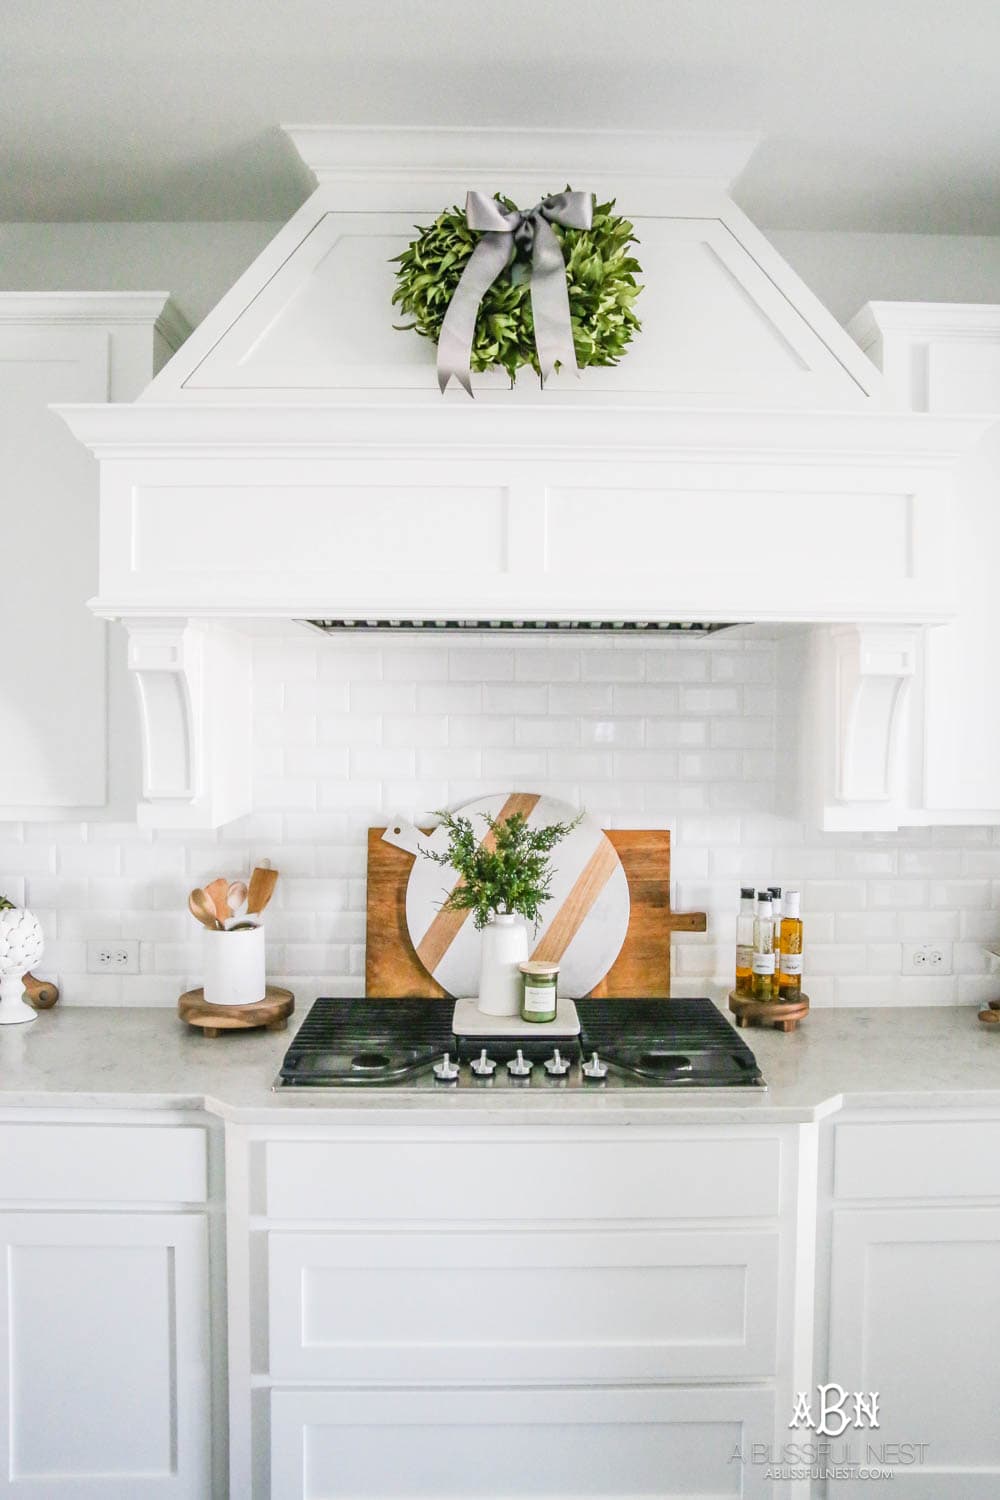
point(582, 928)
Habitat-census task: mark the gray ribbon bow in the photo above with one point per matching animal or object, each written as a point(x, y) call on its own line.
point(504, 235)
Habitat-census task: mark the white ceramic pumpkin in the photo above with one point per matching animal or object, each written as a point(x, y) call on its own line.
point(21, 946)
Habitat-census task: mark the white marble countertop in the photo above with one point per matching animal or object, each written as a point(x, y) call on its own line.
point(148, 1059)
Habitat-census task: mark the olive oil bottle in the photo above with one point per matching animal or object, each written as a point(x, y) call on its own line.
point(790, 945)
point(763, 976)
point(744, 943)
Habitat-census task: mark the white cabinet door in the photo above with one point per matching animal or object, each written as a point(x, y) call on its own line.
point(671, 1443)
point(105, 1390)
point(915, 1316)
point(53, 688)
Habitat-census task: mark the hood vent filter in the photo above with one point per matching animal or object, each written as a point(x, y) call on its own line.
point(530, 627)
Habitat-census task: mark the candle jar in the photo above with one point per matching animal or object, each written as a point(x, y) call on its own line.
point(538, 1001)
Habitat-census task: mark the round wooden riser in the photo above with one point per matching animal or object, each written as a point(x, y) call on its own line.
point(273, 1012)
point(784, 1015)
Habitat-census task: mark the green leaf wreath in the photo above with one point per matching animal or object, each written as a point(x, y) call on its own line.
point(600, 276)
point(512, 877)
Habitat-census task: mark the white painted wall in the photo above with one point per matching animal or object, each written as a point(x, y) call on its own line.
point(681, 735)
point(197, 262)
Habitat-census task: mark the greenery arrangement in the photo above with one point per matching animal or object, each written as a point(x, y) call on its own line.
point(600, 276)
point(510, 878)
point(6, 905)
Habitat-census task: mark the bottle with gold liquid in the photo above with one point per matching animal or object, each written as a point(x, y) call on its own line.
point(744, 942)
point(762, 980)
point(790, 955)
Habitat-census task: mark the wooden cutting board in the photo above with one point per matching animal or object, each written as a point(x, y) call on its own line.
point(641, 968)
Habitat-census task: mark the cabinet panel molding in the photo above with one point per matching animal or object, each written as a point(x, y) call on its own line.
point(608, 1444)
point(502, 1306)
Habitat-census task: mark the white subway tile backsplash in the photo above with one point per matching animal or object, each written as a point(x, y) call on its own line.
point(483, 731)
point(650, 700)
point(547, 665)
point(584, 699)
point(513, 698)
point(677, 734)
point(383, 697)
point(476, 663)
point(710, 700)
point(415, 729)
point(453, 698)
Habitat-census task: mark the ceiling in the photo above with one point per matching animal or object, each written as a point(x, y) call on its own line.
point(875, 114)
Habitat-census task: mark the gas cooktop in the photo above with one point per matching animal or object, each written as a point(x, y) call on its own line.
point(633, 1043)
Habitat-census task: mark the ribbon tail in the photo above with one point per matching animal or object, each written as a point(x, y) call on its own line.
point(550, 303)
point(454, 350)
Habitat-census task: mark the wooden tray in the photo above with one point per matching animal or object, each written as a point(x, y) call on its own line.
point(784, 1015)
point(641, 968)
point(273, 1012)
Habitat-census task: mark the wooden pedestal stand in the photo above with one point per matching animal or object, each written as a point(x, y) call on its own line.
point(273, 1012)
point(783, 1014)
point(991, 1017)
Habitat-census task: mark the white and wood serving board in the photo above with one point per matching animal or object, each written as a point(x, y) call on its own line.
point(582, 927)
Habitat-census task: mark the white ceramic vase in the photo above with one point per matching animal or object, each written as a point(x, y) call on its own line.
point(505, 946)
point(21, 947)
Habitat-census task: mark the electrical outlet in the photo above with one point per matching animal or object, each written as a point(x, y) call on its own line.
point(116, 956)
point(926, 959)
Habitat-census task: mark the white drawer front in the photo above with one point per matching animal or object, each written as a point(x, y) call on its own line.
point(918, 1159)
point(558, 1306)
point(463, 1181)
point(103, 1163)
point(538, 1445)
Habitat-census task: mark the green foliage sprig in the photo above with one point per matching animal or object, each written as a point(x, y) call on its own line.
point(600, 276)
point(6, 905)
point(512, 877)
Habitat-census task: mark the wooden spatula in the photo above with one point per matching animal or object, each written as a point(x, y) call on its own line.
point(217, 892)
point(262, 883)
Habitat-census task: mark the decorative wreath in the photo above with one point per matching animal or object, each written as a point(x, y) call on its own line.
point(600, 276)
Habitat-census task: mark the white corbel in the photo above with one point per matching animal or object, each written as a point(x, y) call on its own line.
point(874, 668)
point(193, 682)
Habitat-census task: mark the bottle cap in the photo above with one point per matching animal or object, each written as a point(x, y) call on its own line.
point(538, 969)
point(792, 899)
point(775, 890)
point(746, 893)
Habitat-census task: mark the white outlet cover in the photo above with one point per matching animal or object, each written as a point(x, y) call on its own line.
point(113, 956)
point(927, 960)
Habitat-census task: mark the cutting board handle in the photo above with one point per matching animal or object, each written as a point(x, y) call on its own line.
point(403, 835)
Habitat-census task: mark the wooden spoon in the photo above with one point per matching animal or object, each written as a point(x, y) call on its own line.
point(262, 883)
point(200, 906)
point(218, 893)
point(237, 896)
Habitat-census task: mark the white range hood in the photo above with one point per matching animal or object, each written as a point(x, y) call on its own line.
point(295, 459)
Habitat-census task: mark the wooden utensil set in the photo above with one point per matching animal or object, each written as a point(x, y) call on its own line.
point(231, 905)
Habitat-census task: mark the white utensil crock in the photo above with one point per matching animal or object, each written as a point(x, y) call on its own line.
point(505, 946)
point(234, 967)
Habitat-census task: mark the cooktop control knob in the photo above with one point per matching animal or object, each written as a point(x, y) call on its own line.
point(519, 1066)
point(483, 1066)
point(594, 1069)
point(557, 1066)
point(446, 1071)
